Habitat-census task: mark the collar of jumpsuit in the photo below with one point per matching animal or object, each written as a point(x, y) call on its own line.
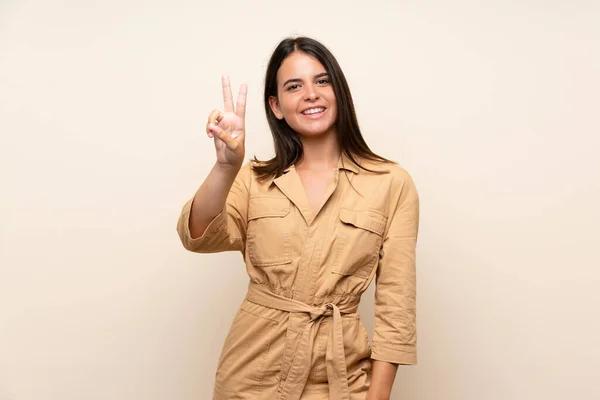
point(344, 163)
point(288, 184)
point(335, 357)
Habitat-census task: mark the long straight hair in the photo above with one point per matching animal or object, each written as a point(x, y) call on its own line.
point(288, 147)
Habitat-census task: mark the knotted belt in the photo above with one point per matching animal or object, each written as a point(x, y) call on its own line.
point(335, 358)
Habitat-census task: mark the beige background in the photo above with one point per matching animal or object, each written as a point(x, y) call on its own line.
point(493, 106)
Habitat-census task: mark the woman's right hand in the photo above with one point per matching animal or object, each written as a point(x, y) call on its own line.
point(228, 128)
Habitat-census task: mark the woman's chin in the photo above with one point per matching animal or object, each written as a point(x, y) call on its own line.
point(316, 134)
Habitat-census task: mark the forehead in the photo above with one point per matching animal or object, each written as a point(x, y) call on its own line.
point(299, 65)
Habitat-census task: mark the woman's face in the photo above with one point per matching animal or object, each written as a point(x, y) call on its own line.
point(305, 97)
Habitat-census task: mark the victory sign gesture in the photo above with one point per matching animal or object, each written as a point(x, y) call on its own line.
point(228, 127)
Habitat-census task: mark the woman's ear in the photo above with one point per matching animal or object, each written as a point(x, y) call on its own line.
point(274, 103)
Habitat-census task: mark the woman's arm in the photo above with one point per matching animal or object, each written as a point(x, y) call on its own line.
point(228, 130)
point(394, 334)
point(382, 379)
point(210, 198)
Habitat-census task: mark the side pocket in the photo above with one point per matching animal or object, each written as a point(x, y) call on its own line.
point(356, 344)
point(247, 360)
point(366, 334)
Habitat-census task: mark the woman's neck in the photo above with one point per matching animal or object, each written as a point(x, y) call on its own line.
point(319, 154)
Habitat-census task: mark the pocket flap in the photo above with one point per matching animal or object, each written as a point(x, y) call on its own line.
point(370, 220)
point(261, 207)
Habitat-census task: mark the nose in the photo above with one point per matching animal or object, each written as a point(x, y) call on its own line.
point(311, 93)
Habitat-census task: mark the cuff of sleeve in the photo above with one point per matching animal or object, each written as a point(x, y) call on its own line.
point(395, 354)
point(216, 225)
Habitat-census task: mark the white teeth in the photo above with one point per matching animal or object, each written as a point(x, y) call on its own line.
point(313, 110)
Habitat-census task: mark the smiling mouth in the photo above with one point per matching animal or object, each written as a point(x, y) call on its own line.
point(313, 111)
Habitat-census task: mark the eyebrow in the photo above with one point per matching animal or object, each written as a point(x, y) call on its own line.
point(300, 80)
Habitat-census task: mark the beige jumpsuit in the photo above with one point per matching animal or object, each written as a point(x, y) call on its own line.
point(298, 335)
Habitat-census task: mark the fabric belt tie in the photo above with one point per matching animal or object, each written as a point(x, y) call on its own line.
point(335, 357)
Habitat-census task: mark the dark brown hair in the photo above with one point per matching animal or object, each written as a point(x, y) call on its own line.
point(288, 147)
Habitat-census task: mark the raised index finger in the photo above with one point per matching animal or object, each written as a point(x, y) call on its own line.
point(227, 96)
point(240, 108)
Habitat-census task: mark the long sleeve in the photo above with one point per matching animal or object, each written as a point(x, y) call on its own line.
point(227, 231)
point(395, 336)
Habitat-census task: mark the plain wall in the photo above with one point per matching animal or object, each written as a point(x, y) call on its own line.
point(492, 106)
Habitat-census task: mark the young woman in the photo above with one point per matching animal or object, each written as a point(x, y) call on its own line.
point(315, 225)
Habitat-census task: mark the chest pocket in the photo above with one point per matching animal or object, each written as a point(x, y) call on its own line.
point(268, 234)
point(359, 240)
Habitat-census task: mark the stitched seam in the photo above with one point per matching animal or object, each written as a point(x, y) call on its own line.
point(286, 350)
point(256, 315)
point(262, 365)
